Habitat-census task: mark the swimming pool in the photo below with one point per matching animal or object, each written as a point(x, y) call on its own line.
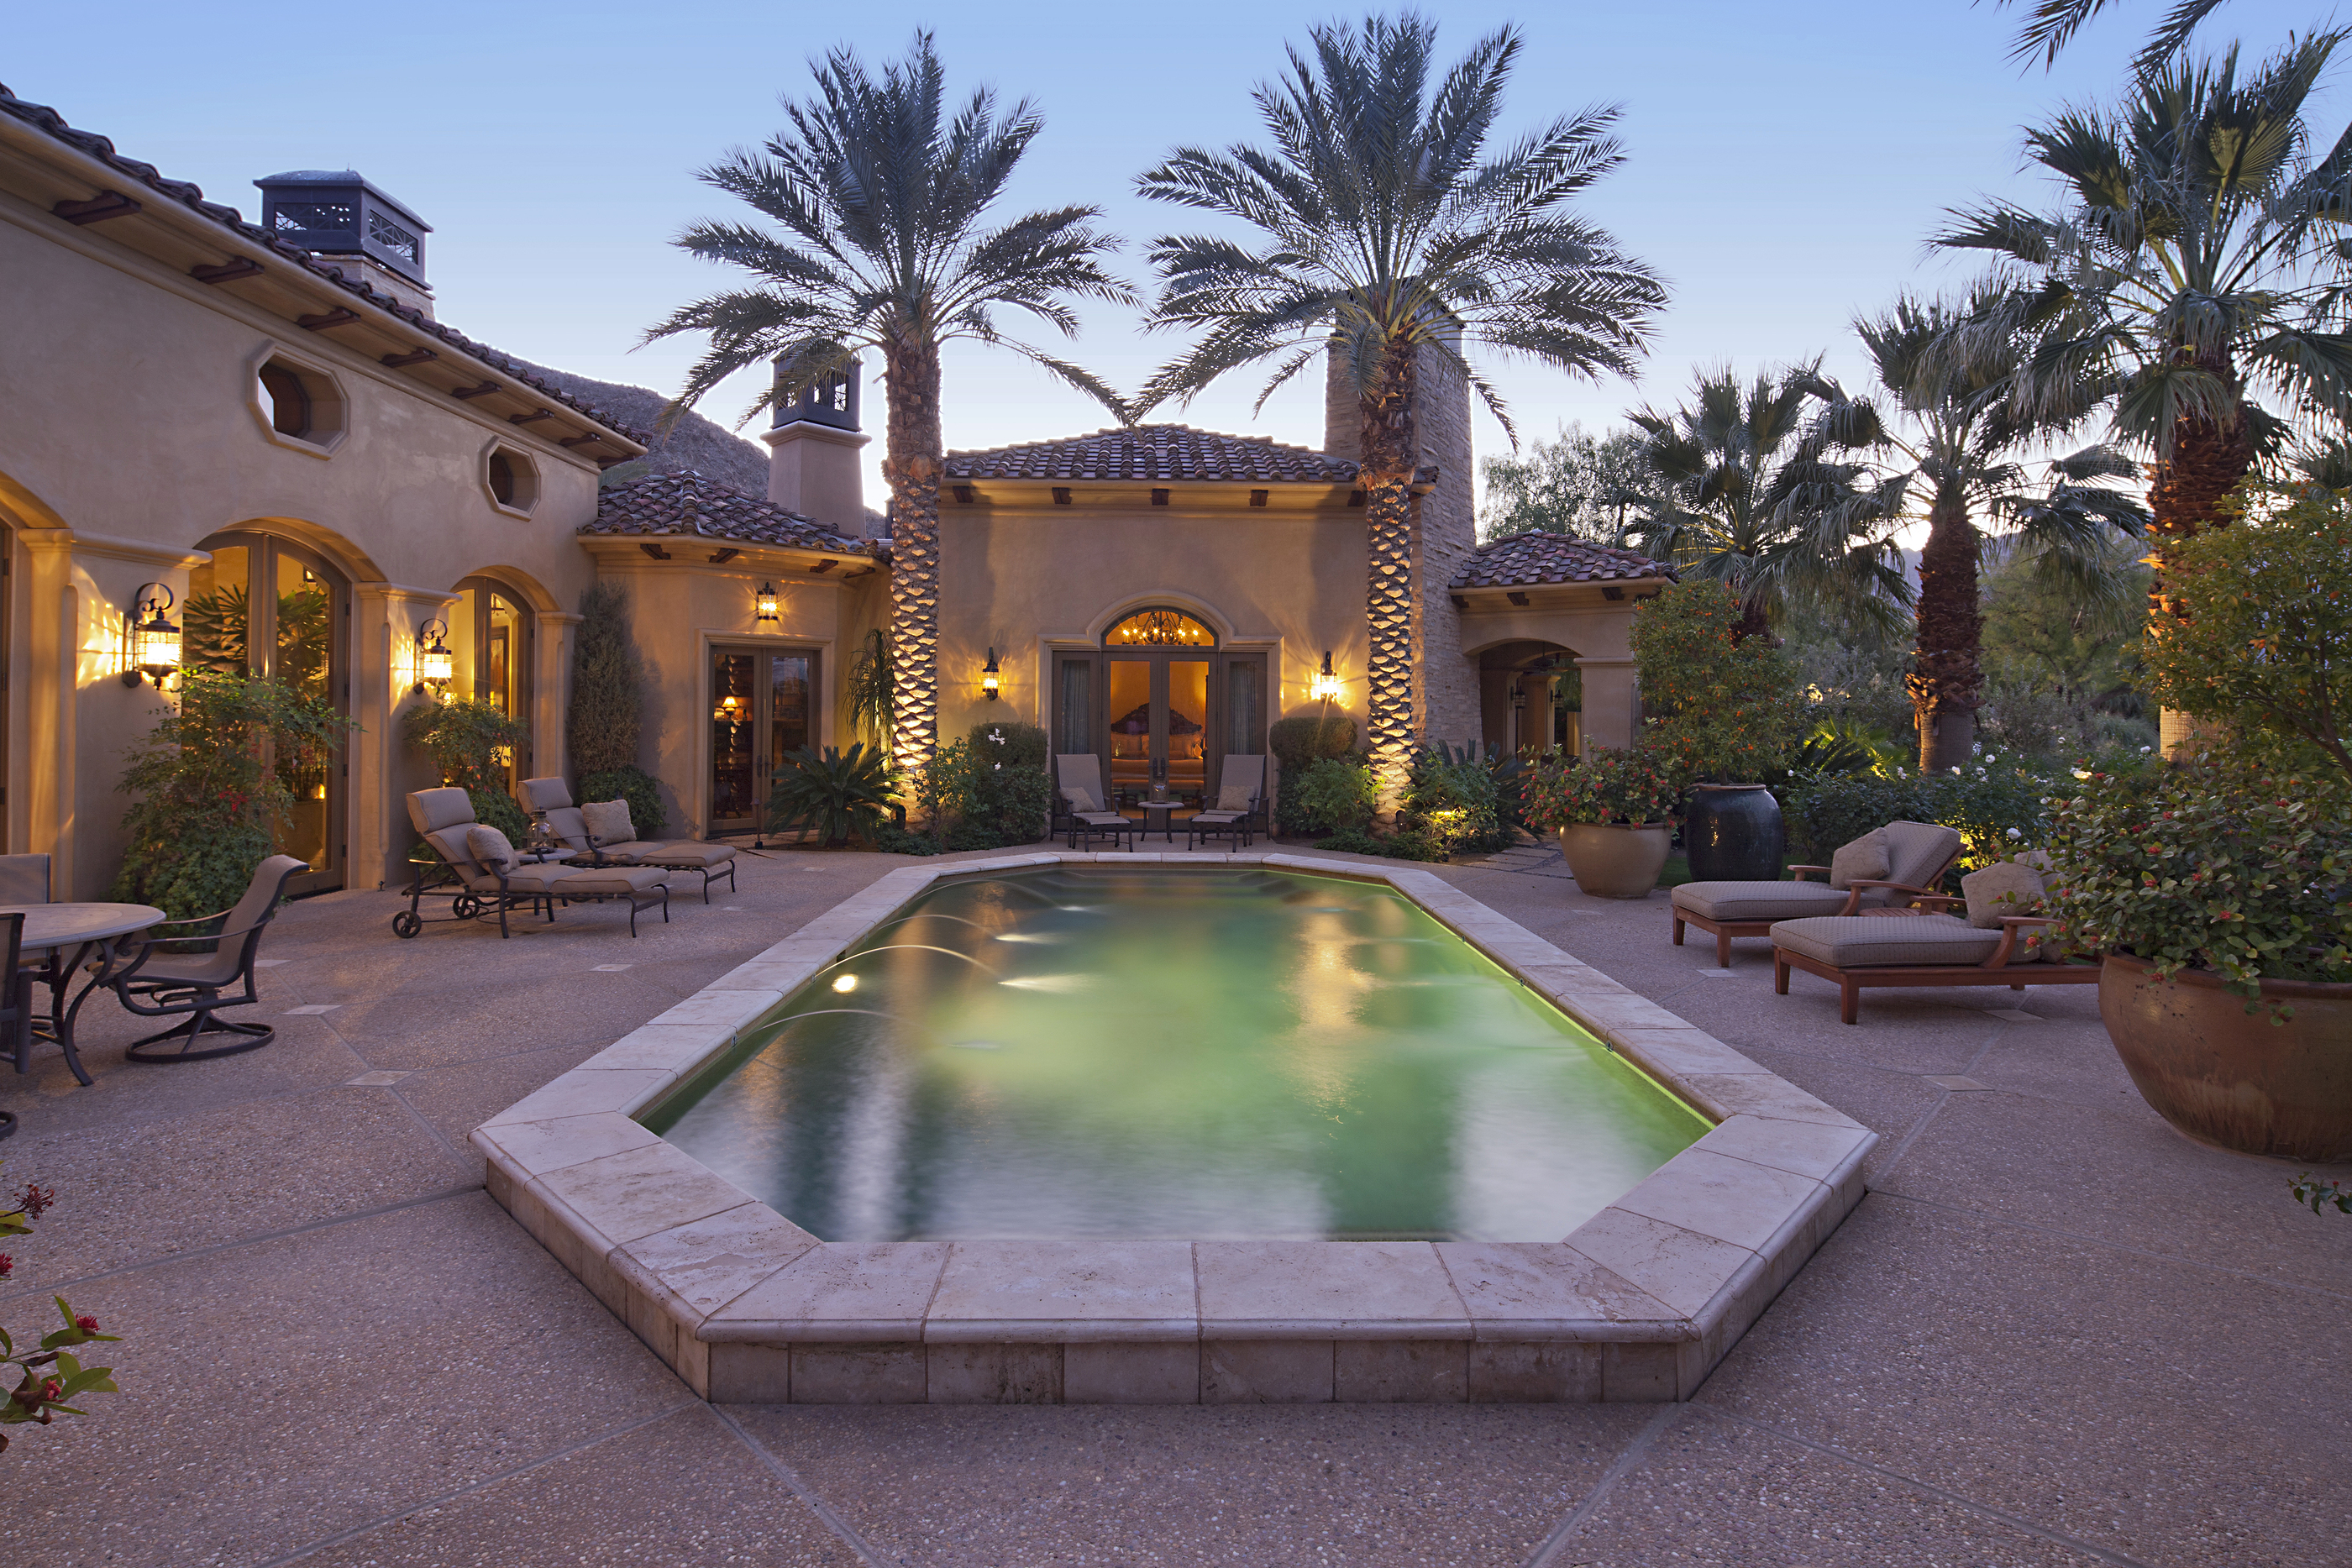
point(1173, 1051)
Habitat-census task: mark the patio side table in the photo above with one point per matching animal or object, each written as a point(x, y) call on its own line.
point(80, 927)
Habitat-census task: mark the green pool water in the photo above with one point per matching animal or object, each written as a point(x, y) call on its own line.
point(1168, 1051)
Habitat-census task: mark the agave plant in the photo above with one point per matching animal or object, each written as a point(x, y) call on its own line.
point(835, 794)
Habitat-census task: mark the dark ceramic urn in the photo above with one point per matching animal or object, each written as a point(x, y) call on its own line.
point(1733, 832)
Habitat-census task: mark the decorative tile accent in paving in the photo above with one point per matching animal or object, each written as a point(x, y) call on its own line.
point(1639, 1304)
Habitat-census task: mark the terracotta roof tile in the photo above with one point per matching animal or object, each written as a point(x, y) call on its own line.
point(1160, 452)
point(1528, 559)
point(50, 122)
point(685, 503)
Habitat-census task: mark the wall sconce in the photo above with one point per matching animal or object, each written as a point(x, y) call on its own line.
point(1326, 686)
point(770, 610)
point(155, 640)
point(730, 710)
point(988, 676)
point(435, 664)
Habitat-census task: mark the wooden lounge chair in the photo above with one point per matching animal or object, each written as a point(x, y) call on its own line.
point(1917, 856)
point(159, 982)
point(1934, 949)
point(550, 800)
point(1080, 811)
point(1240, 805)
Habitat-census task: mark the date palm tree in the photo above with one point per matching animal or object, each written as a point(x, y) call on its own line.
point(2195, 262)
point(1384, 231)
point(1752, 490)
point(884, 193)
point(2051, 26)
point(1955, 446)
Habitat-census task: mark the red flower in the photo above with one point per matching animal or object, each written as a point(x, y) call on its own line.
point(6, 1263)
point(86, 1325)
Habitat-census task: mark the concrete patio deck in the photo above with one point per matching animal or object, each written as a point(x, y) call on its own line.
point(2053, 1332)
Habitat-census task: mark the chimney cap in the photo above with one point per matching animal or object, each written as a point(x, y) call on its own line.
point(337, 212)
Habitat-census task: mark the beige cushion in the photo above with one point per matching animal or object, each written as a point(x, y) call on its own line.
point(1859, 942)
point(683, 853)
point(433, 809)
point(1082, 800)
point(1757, 900)
point(569, 825)
point(526, 879)
point(2007, 888)
point(1865, 859)
point(608, 821)
point(544, 794)
point(611, 881)
point(1235, 798)
point(489, 847)
point(1917, 851)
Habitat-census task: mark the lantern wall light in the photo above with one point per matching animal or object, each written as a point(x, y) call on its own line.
point(770, 609)
point(154, 640)
point(730, 710)
point(435, 664)
point(988, 676)
point(1326, 685)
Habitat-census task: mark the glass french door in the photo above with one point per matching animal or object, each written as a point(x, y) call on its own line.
point(1164, 717)
point(266, 606)
point(762, 708)
point(491, 630)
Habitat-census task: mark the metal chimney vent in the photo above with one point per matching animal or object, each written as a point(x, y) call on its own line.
point(338, 213)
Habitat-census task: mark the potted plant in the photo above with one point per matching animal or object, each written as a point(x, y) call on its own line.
point(1611, 812)
point(2219, 889)
point(1727, 711)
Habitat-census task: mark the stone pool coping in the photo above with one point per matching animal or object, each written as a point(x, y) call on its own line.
point(1639, 1304)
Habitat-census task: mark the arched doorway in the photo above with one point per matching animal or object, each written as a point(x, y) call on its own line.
point(492, 634)
point(269, 606)
point(1161, 701)
point(1530, 696)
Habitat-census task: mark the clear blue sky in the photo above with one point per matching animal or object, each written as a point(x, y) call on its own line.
point(1785, 161)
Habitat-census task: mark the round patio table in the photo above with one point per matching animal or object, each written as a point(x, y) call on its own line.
point(54, 928)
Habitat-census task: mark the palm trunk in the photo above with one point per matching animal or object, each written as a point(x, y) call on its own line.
point(911, 468)
point(1944, 684)
point(2208, 462)
point(1388, 450)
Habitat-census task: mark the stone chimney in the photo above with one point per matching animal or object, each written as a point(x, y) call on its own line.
point(1445, 683)
point(816, 470)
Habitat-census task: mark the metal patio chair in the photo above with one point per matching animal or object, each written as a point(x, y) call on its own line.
point(549, 799)
point(1240, 807)
point(1083, 772)
point(165, 979)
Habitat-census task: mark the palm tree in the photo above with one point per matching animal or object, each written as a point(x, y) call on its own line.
point(2052, 25)
point(882, 189)
point(1956, 444)
point(1381, 237)
point(2196, 254)
point(1749, 492)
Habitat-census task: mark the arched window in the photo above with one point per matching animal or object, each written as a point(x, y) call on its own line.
point(1159, 627)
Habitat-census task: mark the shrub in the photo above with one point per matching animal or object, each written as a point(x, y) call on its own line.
point(1011, 743)
point(607, 689)
point(869, 689)
point(1304, 737)
point(1719, 710)
point(1450, 803)
point(834, 793)
point(49, 1374)
point(1334, 792)
point(640, 789)
point(468, 741)
point(2262, 634)
point(893, 839)
point(1612, 785)
point(2220, 864)
point(208, 788)
point(1403, 845)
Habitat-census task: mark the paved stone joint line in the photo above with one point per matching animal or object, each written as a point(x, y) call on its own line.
point(1549, 1552)
point(849, 1532)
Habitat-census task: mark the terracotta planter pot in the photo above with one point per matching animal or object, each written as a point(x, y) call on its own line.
point(1616, 859)
point(2226, 1079)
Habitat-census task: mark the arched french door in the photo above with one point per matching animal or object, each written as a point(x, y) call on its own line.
point(1161, 703)
point(269, 606)
point(491, 634)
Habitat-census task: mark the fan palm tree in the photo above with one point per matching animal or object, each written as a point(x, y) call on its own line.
point(884, 193)
point(1955, 444)
point(1385, 234)
point(2196, 256)
point(1750, 492)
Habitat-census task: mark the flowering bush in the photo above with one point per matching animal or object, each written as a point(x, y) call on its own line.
point(48, 1377)
point(2000, 803)
point(2218, 864)
point(1720, 711)
point(1610, 786)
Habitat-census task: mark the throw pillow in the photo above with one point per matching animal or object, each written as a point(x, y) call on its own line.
point(1235, 798)
point(608, 821)
point(1865, 859)
point(2007, 888)
point(491, 847)
point(1081, 797)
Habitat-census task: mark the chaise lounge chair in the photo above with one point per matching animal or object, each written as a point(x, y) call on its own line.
point(160, 983)
point(1240, 805)
point(1989, 947)
point(1916, 856)
point(1079, 808)
point(550, 800)
point(504, 881)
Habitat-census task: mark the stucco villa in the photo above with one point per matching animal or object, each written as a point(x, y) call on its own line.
point(263, 429)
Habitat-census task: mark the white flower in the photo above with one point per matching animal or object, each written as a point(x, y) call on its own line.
point(2145, 749)
point(2015, 834)
point(1955, 773)
point(2082, 773)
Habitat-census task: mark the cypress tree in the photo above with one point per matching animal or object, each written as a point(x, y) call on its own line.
point(607, 684)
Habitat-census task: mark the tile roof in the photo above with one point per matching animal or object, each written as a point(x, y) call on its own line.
point(1154, 452)
point(685, 503)
point(1528, 559)
point(50, 122)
